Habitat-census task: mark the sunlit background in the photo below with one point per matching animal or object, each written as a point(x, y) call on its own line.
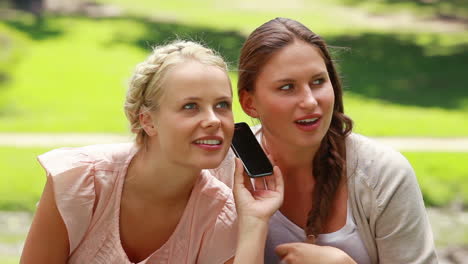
point(64, 66)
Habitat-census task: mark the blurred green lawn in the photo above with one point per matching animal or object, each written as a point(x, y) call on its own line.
point(70, 74)
point(9, 259)
point(424, 9)
point(442, 177)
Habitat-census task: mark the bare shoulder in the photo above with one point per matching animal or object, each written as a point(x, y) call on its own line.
point(47, 240)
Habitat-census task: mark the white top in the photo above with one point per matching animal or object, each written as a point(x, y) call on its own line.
point(282, 230)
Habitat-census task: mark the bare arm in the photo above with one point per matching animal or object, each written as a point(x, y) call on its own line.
point(255, 206)
point(47, 240)
point(251, 243)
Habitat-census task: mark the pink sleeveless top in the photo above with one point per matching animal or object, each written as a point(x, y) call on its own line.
point(88, 183)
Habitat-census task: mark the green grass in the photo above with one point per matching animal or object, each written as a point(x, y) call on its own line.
point(242, 15)
point(4, 259)
point(426, 9)
point(11, 238)
point(329, 16)
point(69, 75)
point(442, 177)
point(54, 87)
point(22, 178)
point(380, 118)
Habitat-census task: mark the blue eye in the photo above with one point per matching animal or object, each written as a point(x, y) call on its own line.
point(286, 87)
point(318, 81)
point(190, 106)
point(223, 105)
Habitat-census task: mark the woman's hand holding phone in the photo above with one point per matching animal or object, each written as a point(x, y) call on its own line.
point(261, 199)
point(255, 204)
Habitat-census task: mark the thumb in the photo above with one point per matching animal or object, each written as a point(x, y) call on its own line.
point(239, 170)
point(238, 178)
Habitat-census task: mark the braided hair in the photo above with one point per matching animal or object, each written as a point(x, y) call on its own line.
point(329, 163)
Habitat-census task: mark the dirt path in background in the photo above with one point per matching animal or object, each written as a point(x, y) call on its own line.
point(456, 144)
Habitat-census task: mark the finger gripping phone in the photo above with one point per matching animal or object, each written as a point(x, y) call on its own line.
point(246, 147)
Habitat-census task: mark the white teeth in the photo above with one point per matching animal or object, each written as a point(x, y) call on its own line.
point(307, 120)
point(208, 142)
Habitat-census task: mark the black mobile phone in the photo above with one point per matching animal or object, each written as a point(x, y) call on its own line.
point(247, 148)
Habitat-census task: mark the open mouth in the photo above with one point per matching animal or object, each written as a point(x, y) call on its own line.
point(307, 122)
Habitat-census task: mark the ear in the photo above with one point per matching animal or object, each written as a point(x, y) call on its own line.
point(247, 102)
point(147, 123)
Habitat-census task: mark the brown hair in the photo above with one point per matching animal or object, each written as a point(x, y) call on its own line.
point(329, 163)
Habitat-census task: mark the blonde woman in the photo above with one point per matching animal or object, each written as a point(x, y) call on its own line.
point(152, 201)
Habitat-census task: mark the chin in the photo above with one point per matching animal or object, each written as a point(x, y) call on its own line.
point(210, 164)
point(310, 142)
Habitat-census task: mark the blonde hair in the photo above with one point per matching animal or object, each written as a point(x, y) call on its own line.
point(146, 84)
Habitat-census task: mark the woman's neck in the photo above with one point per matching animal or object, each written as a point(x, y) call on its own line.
point(289, 157)
point(296, 164)
point(154, 178)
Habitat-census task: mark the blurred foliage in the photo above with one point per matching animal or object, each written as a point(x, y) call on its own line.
point(227, 43)
point(396, 84)
point(442, 9)
point(22, 179)
point(442, 177)
point(393, 68)
point(7, 259)
point(67, 73)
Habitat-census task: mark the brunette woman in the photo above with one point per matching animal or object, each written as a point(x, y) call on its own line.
point(347, 198)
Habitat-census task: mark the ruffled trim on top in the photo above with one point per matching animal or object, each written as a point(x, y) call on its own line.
point(72, 172)
point(72, 176)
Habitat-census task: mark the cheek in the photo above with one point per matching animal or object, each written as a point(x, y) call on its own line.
point(175, 127)
point(272, 107)
point(328, 99)
point(228, 124)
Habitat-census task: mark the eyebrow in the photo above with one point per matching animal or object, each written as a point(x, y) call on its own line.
point(322, 73)
point(195, 98)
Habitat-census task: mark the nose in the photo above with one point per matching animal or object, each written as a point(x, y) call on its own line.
point(308, 100)
point(211, 120)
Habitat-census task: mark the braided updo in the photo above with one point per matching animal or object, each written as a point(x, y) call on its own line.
point(146, 84)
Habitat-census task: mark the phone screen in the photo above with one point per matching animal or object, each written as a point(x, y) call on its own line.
point(247, 148)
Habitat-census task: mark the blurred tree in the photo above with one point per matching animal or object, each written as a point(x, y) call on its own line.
point(36, 7)
point(33, 6)
point(442, 9)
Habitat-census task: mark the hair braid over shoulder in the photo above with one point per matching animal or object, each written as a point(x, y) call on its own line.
point(329, 169)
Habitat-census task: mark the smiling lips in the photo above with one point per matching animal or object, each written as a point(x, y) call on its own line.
point(209, 143)
point(308, 123)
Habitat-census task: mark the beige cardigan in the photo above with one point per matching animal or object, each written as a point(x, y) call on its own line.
point(386, 202)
